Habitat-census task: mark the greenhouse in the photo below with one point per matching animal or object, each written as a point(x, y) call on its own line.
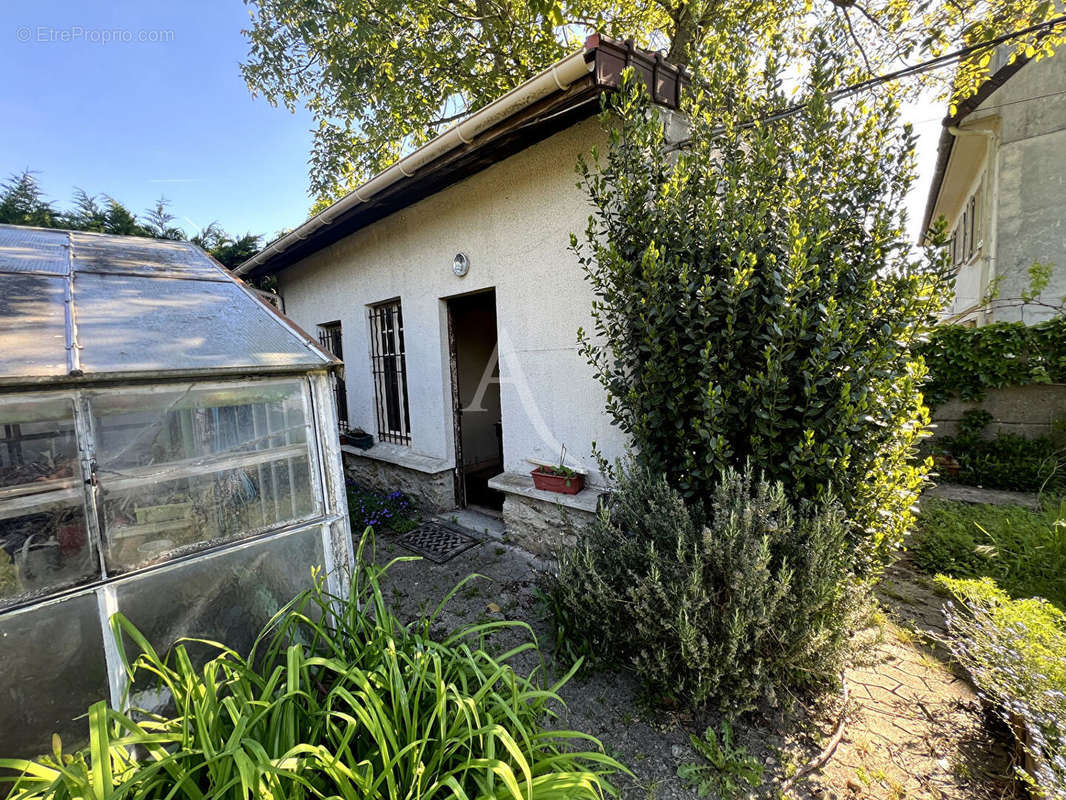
point(168, 449)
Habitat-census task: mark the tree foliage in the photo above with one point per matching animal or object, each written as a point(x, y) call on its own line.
point(757, 298)
point(22, 202)
point(383, 76)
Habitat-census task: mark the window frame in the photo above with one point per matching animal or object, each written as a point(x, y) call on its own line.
point(388, 368)
point(89, 490)
point(331, 338)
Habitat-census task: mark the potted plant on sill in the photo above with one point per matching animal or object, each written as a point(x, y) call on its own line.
point(357, 437)
point(558, 478)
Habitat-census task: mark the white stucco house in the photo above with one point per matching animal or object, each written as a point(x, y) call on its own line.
point(447, 286)
point(1000, 183)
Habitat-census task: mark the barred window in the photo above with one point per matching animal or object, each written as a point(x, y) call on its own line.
point(329, 336)
point(389, 365)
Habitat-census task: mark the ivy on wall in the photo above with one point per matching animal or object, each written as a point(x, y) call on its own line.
point(967, 362)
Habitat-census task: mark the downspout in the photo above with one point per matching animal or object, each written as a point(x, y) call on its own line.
point(988, 268)
point(557, 77)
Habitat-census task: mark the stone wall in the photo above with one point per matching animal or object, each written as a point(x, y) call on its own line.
point(1028, 411)
point(432, 491)
point(540, 526)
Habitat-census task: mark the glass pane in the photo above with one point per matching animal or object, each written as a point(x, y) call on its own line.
point(44, 544)
point(37, 446)
point(188, 467)
point(53, 667)
point(226, 597)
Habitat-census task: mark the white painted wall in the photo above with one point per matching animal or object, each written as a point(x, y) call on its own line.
point(514, 221)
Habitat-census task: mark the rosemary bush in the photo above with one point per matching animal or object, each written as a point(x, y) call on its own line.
point(337, 699)
point(745, 600)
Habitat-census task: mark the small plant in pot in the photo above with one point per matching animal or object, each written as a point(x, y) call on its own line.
point(558, 478)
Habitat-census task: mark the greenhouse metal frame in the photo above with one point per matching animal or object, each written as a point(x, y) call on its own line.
point(168, 450)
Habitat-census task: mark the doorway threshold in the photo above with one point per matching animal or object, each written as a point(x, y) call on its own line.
point(476, 520)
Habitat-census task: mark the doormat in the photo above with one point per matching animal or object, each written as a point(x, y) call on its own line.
point(437, 542)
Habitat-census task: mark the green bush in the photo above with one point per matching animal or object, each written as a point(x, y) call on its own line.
point(337, 699)
point(724, 606)
point(967, 362)
point(1013, 650)
point(757, 297)
point(1023, 550)
point(1004, 461)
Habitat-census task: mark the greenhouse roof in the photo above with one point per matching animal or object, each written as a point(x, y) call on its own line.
point(77, 306)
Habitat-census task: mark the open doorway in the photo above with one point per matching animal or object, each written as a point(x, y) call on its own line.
point(475, 399)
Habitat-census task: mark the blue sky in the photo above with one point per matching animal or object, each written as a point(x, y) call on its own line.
point(173, 117)
point(142, 119)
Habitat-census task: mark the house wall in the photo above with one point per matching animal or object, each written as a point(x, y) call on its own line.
point(514, 221)
point(1025, 211)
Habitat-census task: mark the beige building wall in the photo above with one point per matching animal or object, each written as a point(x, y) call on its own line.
point(1013, 147)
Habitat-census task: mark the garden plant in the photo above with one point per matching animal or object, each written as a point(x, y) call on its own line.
point(1013, 651)
point(1023, 550)
point(744, 600)
point(337, 699)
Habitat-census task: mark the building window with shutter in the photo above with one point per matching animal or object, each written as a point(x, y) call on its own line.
point(389, 365)
point(968, 235)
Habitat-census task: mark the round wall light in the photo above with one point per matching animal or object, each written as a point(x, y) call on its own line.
point(460, 264)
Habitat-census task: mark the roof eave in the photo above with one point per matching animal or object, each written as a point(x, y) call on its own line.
point(947, 140)
point(555, 98)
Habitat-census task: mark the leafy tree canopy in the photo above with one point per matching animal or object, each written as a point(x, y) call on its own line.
point(383, 76)
point(22, 202)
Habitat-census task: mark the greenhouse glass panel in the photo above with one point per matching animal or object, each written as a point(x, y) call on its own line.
point(54, 669)
point(226, 597)
point(32, 327)
point(44, 542)
point(186, 467)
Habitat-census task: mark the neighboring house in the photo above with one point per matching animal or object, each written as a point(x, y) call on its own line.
point(1000, 183)
point(448, 284)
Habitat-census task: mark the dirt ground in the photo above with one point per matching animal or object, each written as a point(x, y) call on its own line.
point(913, 729)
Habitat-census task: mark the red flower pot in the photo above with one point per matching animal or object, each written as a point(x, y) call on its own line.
point(544, 478)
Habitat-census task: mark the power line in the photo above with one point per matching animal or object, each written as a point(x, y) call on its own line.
point(916, 69)
point(996, 106)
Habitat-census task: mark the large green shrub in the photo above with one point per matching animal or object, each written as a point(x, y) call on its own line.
point(1023, 550)
point(721, 606)
point(338, 700)
point(1013, 651)
point(967, 362)
point(757, 296)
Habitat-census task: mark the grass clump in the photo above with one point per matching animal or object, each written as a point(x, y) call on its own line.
point(1023, 550)
point(1013, 651)
point(337, 699)
point(744, 600)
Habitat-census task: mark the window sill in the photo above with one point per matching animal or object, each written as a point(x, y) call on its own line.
point(515, 483)
point(401, 456)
